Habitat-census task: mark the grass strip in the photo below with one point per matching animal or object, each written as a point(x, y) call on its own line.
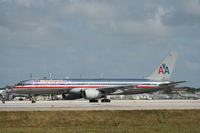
point(151, 121)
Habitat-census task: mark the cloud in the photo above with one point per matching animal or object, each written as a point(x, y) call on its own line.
point(107, 19)
point(152, 26)
point(25, 3)
point(183, 13)
point(89, 10)
point(195, 66)
point(101, 17)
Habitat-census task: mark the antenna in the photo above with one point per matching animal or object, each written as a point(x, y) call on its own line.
point(67, 77)
point(31, 76)
point(50, 76)
point(101, 76)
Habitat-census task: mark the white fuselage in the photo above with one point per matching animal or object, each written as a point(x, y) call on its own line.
point(76, 85)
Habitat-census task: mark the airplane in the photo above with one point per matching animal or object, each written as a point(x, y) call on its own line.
point(94, 89)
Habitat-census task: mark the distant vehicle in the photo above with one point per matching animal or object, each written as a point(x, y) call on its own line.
point(94, 89)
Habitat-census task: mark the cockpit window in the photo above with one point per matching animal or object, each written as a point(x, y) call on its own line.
point(20, 83)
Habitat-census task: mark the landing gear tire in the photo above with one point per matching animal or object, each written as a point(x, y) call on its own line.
point(93, 101)
point(33, 101)
point(3, 100)
point(32, 98)
point(105, 100)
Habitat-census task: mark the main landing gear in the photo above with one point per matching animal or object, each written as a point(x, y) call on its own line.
point(105, 100)
point(93, 101)
point(102, 100)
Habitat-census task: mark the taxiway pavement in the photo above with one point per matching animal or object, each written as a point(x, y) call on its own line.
point(114, 105)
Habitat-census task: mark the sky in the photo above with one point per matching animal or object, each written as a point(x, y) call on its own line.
point(84, 38)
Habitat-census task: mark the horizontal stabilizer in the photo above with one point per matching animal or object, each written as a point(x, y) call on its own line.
point(172, 84)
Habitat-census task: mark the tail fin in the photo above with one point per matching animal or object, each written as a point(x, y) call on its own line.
point(164, 70)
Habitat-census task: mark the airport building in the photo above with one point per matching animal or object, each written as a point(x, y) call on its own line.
point(179, 90)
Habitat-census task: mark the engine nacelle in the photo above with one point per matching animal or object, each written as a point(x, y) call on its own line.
point(92, 94)
point(71, 96)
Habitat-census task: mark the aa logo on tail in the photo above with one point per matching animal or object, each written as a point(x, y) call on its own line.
point(163, 69)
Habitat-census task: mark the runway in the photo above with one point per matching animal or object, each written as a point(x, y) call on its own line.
point(114, 105)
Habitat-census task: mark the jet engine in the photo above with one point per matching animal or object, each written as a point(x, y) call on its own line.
point(91, 94)
point(71, 96)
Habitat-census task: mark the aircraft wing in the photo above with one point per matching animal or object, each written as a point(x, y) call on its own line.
point(108, 90)
point(133, 89)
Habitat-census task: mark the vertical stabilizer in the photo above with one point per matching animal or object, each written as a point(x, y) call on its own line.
point(164, 70)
